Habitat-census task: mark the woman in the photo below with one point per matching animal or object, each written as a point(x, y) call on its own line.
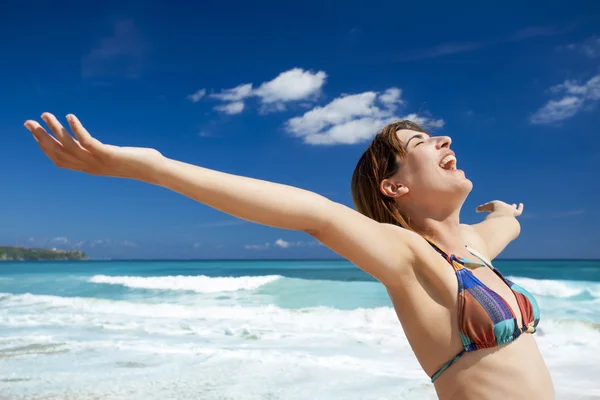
point(470, 328)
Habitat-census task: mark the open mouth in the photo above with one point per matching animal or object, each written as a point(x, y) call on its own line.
point(448, 163)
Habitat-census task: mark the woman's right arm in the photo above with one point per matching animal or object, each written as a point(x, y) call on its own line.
point(384, 251)
point(381, 250)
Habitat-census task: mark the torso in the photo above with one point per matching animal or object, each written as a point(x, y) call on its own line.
point(427, 308)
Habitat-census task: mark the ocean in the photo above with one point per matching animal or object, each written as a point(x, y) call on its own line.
point(251, 330)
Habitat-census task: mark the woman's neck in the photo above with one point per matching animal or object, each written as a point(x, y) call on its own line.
point(447, 233)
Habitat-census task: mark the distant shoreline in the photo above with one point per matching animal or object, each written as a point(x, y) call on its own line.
point(15, 253)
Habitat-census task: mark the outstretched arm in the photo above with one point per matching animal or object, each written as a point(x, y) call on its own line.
point(500, 227)
point(384, 251)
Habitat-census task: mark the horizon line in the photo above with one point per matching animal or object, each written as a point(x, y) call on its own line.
point(277, 259)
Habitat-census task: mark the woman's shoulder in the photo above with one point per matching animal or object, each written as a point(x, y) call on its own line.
point(473, 239)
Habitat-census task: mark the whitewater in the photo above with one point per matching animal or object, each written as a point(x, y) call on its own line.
point(251, 330)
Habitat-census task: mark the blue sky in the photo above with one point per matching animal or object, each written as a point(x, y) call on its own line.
point(292, 94)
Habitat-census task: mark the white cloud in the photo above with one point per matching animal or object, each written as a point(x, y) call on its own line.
point(234, 94)
point(557, 110)
point(339, 111)
point(231, 108)
point(59, 240)
point(197, 95)
point(282, 243)
point(124, 53)
point(257, 246)
point(589, 47)
point(424, 121)
point(589, 90)
point(293, 85)
point(65, 243)
point(235, 97)
point(448, 48)
point(574, 97)
point(391, 97)
point(267, 108)
point(351, 119)
point(100, 242)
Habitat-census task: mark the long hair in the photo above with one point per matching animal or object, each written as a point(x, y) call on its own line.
point(380, 161)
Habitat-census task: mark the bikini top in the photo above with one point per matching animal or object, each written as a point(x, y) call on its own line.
point(485, 319)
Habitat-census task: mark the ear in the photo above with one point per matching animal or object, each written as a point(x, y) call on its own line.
point(392, 189)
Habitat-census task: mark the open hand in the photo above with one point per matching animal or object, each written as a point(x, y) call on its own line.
point(87, 154)
point(501, 208)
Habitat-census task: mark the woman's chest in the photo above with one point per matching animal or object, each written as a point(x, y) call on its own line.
point(486, 287)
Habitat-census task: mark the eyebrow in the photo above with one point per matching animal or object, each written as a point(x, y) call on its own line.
point(418, 136)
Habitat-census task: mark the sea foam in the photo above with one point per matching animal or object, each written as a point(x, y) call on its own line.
point(557, 288)
point(199, 284)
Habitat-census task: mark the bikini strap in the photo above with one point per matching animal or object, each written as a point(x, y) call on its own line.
point(447, 365)
point(482, 258)
point(450, 258)
point(439, 250)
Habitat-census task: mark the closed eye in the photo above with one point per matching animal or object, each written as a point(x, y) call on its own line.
point(418, 136)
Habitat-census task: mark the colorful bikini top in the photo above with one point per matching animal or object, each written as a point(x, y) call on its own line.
point(485, 319)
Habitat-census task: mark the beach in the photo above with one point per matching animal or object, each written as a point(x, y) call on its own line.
point(251, 330)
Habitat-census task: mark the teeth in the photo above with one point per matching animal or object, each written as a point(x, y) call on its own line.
point(448, 162)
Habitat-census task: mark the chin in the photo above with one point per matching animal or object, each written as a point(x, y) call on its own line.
point(463, 186)
point(467, 184)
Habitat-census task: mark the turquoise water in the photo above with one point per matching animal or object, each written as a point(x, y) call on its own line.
point(251, 330)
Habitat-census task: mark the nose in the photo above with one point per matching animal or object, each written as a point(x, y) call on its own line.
point(443, 141)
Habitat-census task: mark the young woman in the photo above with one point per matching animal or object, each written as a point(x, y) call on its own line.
point(470, 328)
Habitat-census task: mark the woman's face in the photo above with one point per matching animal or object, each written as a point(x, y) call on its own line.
point(429, 174)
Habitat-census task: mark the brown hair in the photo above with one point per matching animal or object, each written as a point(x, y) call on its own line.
point(381, 161)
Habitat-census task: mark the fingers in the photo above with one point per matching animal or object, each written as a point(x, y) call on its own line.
point(61, 133)
point(65, 152)
point(46, 141)
point(52, 147)
point(84, 140)
point(495, 205)
point(84, 137)
point(486, 207)
point(519, 209)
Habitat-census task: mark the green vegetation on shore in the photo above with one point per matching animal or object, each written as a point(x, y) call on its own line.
point(26, 254)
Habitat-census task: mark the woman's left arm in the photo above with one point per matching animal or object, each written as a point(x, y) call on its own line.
point(500, 227)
